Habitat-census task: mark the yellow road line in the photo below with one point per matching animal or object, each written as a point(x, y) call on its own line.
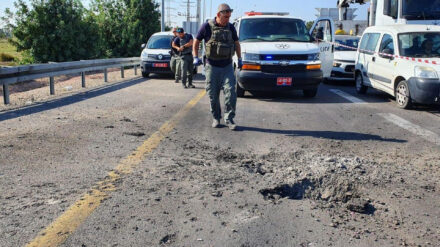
point(57, 232)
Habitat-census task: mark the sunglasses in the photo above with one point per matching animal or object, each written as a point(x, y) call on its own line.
point(227, 11)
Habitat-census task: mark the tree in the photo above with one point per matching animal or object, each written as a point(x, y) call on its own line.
point(309, 25)
point(125, 25)
point(54, 30)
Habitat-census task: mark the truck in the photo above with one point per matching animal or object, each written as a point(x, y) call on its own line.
point(390, 12)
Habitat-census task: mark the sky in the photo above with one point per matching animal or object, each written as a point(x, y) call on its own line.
point(304, 9)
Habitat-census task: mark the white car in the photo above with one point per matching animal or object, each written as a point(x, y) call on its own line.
point(401, 60)
point(279, 54)
point(345, 58)
point(155, 56)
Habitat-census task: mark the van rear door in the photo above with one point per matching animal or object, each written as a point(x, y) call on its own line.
point(323, 32)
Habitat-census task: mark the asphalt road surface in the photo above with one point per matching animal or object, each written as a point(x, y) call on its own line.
point(138, 164)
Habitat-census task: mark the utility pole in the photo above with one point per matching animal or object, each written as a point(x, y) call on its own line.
point(198, 12)
point(188, 11)
point(162, 21)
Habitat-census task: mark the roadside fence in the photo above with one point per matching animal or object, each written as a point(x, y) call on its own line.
point(24, 73)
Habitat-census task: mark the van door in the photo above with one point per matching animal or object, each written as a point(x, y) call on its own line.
point(323, 32)
point(382, 69)
point(369, 51)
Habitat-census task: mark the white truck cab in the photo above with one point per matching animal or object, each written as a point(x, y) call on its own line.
point(279, 54)
point(401, 60)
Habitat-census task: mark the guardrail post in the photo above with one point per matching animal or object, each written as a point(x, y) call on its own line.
point(122, 72)
point(105, 75)
point(135, 70)
point(6, 94)
point(52, 85)
point(83, 79)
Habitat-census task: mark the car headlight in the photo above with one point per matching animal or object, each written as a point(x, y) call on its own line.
point(335, 64)
point(313, 57)
point(425, 72)
point(251, 57)
point(144, 55)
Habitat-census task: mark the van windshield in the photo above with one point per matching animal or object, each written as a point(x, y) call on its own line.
point(421, 9)
point(424, 44)
point(159, 42)
point(273, 30)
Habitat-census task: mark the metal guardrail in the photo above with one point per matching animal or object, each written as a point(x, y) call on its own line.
point(12, 75)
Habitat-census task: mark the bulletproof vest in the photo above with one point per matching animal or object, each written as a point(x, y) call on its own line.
point(183, 41)
point(221, 46)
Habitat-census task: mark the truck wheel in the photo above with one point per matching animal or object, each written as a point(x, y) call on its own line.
point(145, 75)
point(360, 87)
point(403, 96)
point(310, 93)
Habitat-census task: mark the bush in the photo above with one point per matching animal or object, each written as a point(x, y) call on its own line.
point(5, 57)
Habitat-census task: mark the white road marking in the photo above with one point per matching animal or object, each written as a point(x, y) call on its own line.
point(348, 96)
point(415, 129)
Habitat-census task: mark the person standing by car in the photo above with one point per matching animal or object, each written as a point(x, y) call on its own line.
point(183, 43)
point(221, 43)
point(175, 63)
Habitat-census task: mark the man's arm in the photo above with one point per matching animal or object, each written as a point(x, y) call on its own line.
point(196, 48)
point(174, 45)
point(238, 49)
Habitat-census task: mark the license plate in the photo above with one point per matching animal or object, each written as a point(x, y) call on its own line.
point(284, 81)
point(160, 65)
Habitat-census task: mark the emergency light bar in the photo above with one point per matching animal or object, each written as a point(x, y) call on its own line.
point(252, 13)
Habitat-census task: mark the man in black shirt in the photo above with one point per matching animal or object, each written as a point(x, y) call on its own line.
point(183, 43)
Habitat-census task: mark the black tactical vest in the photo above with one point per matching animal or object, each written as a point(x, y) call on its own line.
point(183, 41)
point(221, 46)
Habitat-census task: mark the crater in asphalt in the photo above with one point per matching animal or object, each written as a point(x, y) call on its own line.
point(168, 239)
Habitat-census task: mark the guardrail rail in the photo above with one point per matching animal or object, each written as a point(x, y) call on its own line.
point(12, 75)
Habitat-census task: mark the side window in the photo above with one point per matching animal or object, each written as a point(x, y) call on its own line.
point(393, 8)
point(364, 42)
point(323, 31)
point(372, 43)
point(387, 44)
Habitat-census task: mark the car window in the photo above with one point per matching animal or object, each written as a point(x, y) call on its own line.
point(159, 42)
point(350, 42)
point(387, 43)
point(273, 30)
point(364, 42)
point(420, 44)
point(371, 44)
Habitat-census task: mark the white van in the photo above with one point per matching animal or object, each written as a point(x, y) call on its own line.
point(279, 54)
point(155, 56)
point(401, 60)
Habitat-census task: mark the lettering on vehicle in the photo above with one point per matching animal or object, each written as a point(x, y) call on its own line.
point(325, 48)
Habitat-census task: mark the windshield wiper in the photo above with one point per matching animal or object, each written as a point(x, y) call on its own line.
point(252, 39)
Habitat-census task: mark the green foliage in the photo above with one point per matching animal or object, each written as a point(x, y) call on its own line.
point(124, 25)
point(309, 25)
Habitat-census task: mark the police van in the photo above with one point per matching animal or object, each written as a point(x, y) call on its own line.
point(280, 54)
point(155, 56)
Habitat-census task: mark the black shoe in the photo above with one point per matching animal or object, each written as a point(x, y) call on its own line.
point(191, 86)
point(176, 81)
point(184, 86)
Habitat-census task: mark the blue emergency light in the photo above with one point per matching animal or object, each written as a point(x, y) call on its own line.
point(268, 57)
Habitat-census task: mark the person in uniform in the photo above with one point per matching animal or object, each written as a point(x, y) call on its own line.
point(221, 43)
point(175, 63)
point(183, 43)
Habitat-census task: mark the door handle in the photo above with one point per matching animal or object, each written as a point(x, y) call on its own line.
point(373, 59)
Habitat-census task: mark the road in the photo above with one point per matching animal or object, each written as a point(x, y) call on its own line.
point(138, 164)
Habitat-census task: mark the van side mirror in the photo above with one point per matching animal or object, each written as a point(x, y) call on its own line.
point(387, 51)
point(143, 46)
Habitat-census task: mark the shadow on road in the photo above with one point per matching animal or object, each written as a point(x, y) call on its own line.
point(52, 104)
point(334, 135)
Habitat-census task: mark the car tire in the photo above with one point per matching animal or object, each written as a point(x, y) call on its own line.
point(310, 93)
point(145, 75)
point(403, 95)
point(360, 87)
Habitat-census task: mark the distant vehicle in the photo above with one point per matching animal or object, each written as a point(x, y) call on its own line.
point(344, 58)
point(155, 56)
point(411, 79)
point(390, 12)
point(279, 54)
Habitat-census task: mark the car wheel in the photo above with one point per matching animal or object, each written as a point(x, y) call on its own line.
point(310, 93)
point(145, 75)
point(403, 96)
point(360, 87)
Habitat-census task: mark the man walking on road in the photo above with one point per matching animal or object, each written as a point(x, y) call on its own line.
point(221, 42)
point(175, 59)
point(183, 43)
